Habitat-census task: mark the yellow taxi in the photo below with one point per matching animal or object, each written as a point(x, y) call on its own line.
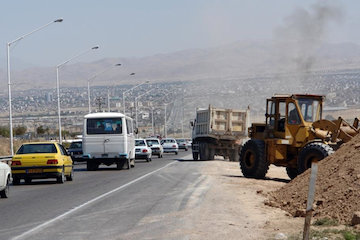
point(41, 160)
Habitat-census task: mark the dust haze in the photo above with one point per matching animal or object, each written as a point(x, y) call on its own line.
point(304, 32)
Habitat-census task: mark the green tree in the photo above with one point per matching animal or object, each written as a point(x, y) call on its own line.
point(40, 130)
point(20, 130)
point(4, 131)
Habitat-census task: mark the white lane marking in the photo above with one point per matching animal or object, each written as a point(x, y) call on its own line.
point(86, 203)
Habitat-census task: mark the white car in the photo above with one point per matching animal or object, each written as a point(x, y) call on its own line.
point(182, 144)
point(5, 179)
point(142, 150)
point(156, 147)
point(170, 145)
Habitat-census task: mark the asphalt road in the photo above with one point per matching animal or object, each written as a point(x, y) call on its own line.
point(104, 204)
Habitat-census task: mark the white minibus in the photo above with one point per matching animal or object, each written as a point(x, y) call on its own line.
point(108, 138)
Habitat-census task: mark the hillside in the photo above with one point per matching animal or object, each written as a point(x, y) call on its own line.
point(229, 61)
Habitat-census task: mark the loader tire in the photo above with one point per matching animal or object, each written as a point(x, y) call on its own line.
point(291, 172)
point(315, 151)
point(253, 163)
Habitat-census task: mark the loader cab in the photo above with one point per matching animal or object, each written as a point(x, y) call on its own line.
point(286, 114)
point(276, 117)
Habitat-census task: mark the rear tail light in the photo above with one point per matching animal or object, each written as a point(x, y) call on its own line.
point(174, 146)
point(144, 150)
point(15, 163)
point(52, 161)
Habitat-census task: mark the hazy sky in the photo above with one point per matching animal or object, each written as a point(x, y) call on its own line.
point(136, 28)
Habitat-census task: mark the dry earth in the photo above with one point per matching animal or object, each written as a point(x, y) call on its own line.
point(337, 187)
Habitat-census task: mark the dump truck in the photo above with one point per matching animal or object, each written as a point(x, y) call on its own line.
point(219, 131)
point(293, 136)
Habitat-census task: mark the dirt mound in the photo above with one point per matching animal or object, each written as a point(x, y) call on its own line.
point(337, 188)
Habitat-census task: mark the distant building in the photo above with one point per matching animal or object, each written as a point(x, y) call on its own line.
point(48, 97)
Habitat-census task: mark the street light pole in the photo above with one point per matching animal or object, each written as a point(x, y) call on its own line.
point(58, 85)
point(152, 121)
point(165, 130)
point(136, 103)
point(129, 91)
point(108, 99)
point(94, 76)
point(8, 45)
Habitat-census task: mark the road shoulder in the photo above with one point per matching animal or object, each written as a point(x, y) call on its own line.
point(233, 207)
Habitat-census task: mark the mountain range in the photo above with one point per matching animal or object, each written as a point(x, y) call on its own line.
point(236, 60)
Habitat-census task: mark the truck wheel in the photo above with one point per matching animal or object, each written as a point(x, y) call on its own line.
point(211, 153)
point(204, 151)
point(291, 172)
point(234, 156)
point(253, 163)
point(315, 151)
point(119, 165)
point(5, 193)
point(195, 156)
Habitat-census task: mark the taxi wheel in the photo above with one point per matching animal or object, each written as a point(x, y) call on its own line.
point(61, 178)
point(71, 176)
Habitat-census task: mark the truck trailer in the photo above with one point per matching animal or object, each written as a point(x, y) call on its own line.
point(219, 131)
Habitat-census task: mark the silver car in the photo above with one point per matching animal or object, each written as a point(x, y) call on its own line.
point(155, 146)
point(170, 145)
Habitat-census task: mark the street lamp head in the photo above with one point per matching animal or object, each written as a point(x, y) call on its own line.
point(59, 20)
point(119, 64)
point(147, 81)
point(96, 47)
point(131, 74)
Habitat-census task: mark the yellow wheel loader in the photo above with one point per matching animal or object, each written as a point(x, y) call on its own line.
point(293, 136)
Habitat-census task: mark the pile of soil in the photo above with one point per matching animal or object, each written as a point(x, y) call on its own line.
point(337, 193)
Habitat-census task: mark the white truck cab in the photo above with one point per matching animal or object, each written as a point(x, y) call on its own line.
point(108, 138)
